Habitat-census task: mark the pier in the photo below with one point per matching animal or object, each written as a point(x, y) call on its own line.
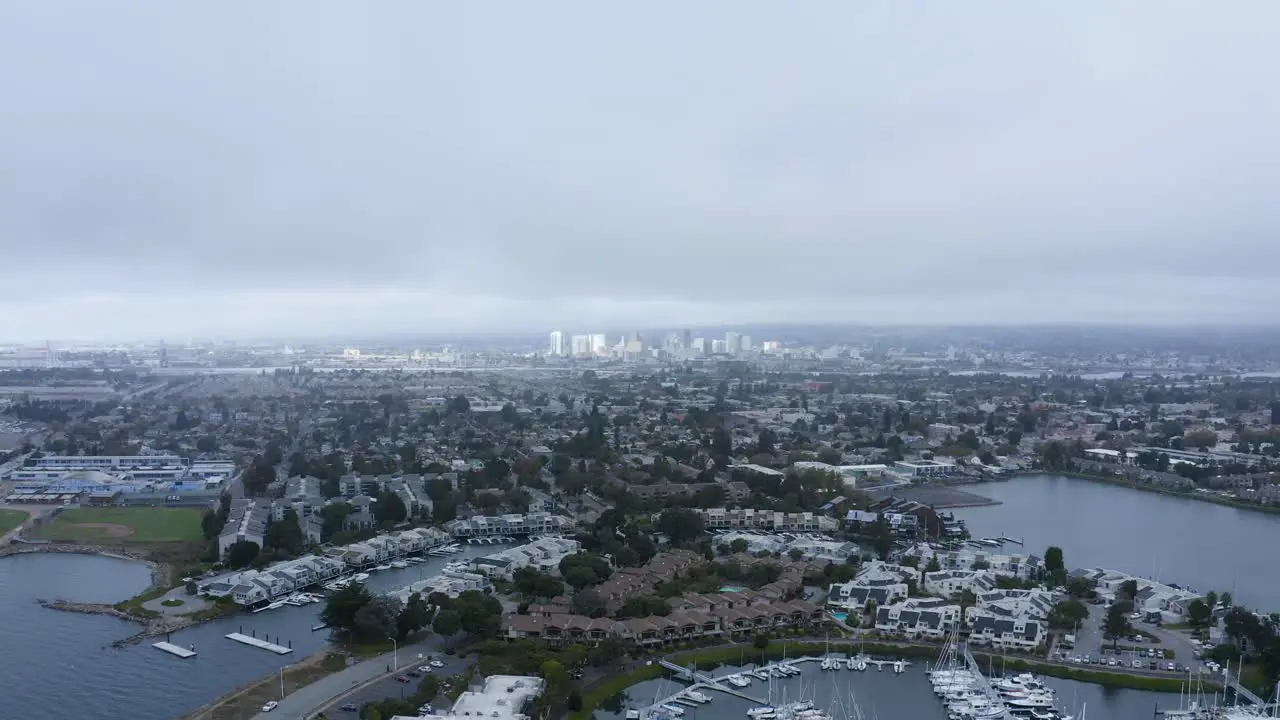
point(1232, 680)
point(704, 681)
point(259, 643)
point(172, 649)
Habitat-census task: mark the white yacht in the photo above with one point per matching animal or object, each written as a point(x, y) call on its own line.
point(738, 681)
point(399, 564)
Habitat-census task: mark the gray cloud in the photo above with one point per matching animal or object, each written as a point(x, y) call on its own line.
point(242, 168)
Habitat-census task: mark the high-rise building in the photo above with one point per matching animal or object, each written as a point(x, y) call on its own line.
point(745, 341)
point(686, 339)
point(580, 345)
point(557, 343)
point(732, 342)
point(699, 345)
point(599, 345)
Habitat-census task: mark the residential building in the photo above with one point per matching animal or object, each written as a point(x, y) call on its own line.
point(543, 554)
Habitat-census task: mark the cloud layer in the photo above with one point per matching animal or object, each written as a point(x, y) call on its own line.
point(249, 168)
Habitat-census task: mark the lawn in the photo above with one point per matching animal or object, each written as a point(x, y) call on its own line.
point(10, 519)
point(96, 525)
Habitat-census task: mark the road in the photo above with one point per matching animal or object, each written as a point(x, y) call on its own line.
point(333, 689)
point(387, 687)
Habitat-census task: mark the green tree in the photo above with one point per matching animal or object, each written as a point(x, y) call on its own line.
point(761, 642)
point(446, 623)
point(1198, 613)
point(1055, 566)
point(881, 537)
point(933, 565)
point(681, 525)
point(1068, 614)
point(341, 607)
point(555, 674)
point(389, 508)
point(242, 554)
point(1117, 624)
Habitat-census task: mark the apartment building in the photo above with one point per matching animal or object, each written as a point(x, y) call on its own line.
point(534, 523)
point(751, 519)
point(543, 554)
point(917, 618)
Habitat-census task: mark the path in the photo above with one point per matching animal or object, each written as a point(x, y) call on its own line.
point(190, 603)
point(312, 698)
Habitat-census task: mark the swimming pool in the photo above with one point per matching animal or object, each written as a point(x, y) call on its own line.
point(842, 617)
point(729, 588)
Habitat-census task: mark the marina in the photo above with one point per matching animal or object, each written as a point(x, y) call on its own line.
point(259, 643)
point(763, 708)
point(172, 649)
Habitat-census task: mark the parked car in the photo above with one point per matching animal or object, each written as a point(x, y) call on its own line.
point(414, 673)
point(436, 664)
point(350, 707)
point(270, 706)
point(424, 669)
point(402, 678)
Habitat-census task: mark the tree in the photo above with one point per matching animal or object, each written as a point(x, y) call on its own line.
point(241, 554)
point(413, 617)
point(1198, 613)
point(377, 619)
point(588, 602)
point(446, 623)
point(761, 642)
point(1128, 590)
point(1117, 624)
point(933, 565)
point(1068, 614)
point(881, 537)
point(341, 607)
point(1055, 566)
point(555, 674)
point(681, 525)
point(389, 508)
point(285, 535)
point(575, 700)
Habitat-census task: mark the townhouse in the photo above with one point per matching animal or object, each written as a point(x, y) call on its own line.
point(692, 616)
point(949, 583)
point(1023, 567)
point(248, 587)
point(751, 519)
point(1152, 596)
point(543, 554)
point(534, 523)
point(917, 618)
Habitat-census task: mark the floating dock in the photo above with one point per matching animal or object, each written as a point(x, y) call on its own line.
point(259, 643)
point(172, 649)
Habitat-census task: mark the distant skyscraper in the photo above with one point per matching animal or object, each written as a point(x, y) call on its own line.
point(699, 345)
point(746, 343)
point(557, 343)
point(599, 345)
point(686, 337)
point(732, 342)
point(580, 345)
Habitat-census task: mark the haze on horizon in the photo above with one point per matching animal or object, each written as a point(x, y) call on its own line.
point(318, 168)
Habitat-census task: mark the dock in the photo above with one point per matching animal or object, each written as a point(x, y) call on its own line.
point(704, 681)
point(172, 649)
point(259, 643)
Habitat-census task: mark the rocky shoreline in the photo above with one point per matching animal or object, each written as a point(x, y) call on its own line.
point(152, 626)
point(160, 577)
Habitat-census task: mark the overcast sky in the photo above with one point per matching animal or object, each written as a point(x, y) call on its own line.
point(255, 168)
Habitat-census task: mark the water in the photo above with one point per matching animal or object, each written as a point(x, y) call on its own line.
point(58, 665)
point(878, 694)
point(1166, 538)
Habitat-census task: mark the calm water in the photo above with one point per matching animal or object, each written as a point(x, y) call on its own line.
point(1166, 538)
point(59, 665)
point(880, 694)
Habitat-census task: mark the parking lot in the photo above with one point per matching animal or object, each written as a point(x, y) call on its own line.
point(389, 687)
point(1174, 652)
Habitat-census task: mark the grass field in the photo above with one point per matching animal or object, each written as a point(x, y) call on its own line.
point(97, 525)
point(10, 519)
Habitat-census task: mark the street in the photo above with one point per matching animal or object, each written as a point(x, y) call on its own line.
point(388, 687)
point(330, 690)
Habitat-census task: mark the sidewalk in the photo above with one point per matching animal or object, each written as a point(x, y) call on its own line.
point(310, 699)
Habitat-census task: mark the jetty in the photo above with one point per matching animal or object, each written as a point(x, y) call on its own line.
point(259, 643)
point(701, 680)
point(172, 649)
